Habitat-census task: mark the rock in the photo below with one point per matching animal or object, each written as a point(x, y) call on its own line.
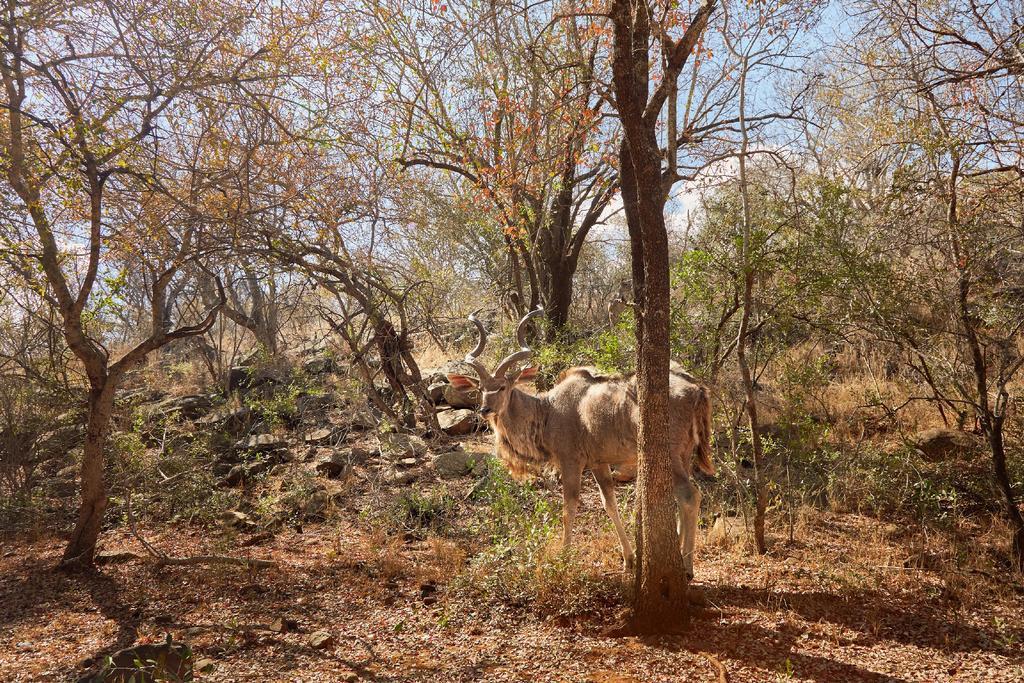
point(284, 625)
point(237, 520)
point(319, 365)
point(401, 446)
point(313, 407)
point(454, 463)
point(205, 665)
point(938, 445)
point(454, 367)
point(234, 477)
point(258, 467)
point(61, 440)
point(312, 349)
point(457, 398)
point(332, 465)
point(70, 472)
point(457, 422)
point(316, 504)
point(261, 443)
point(361, 419)
point(406, 463)
point(318, 437)
point(252, 359)
point(428, 593)
point(115, 556)
point(320, 640)
point(61, 488)
point(232, 419)
point(397, 477)
point(358, 455)
point(130, 397)
point(189, 407)
point(435, 392)
point(243, 378)
point(142, 663)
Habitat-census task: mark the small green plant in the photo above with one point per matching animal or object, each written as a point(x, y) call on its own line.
point(1006, 637)
point(416, 511)
point(786, 671)
point(280, 408)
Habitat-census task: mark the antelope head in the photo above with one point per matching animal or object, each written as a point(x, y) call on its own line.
point(496, 387)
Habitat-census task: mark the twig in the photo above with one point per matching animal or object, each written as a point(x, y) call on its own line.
point(216, 559)
point(153, 551)
point(163, 558)
point(723, 675)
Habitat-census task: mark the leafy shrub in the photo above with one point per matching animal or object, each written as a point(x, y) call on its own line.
point(611, 350)
point(415, 511)
point(522, 565)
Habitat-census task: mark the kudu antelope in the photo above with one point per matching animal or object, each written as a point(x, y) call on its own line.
point(589, 421)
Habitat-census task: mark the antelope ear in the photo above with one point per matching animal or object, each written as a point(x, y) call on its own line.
point(527, 374)
point(462, 381)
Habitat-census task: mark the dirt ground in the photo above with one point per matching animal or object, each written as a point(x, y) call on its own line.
point(839, 604)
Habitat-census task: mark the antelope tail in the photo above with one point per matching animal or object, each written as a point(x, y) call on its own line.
point(702, 432)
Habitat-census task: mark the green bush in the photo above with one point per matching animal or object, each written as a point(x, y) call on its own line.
point(522, 565)
point(415, 511)
point(612, 350)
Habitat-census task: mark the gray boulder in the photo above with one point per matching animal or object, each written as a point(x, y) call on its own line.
point(457, 422)
point(319, 365)
point(333, 465)
point(454, 463)
point(435, 392)
point(319, 437)
point(243, 378)
point(231, 419)
point(400, 446)
point(261, 443)
point(189, 407)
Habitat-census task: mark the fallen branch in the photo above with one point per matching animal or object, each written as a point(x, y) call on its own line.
point(161, 558)
point(723, 675)
point(215, 559)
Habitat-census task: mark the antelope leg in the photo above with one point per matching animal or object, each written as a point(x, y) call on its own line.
point(571, 484)
point(603, 477)
point(688, 496)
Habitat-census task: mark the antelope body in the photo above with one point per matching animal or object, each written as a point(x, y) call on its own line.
point(589, 421)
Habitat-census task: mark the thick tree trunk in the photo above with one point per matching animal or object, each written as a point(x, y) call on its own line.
point(82, 545)
point(660, 581)
point(558, 297)
point(661, 584)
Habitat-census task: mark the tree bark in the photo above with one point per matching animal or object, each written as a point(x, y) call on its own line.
point(1002, 476)
point(660, 582)
point(760, 490)
point(81, 546)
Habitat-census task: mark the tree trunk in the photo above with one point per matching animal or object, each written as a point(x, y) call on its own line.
point(1002, 476)
point(558, 297)
point(660, 581)
point(760, 491)
point(82, 545)
point(743, 336)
